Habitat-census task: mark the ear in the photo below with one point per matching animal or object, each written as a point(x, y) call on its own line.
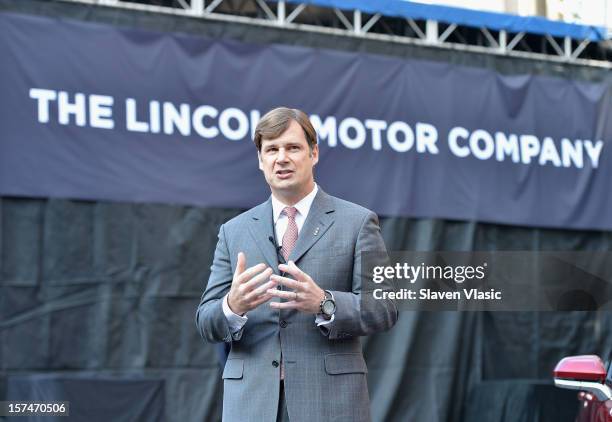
point(315, 154)
point(259, 159)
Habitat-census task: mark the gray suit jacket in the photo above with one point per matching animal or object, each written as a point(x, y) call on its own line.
point(325, 373)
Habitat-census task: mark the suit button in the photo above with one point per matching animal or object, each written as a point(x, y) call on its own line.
point(283, 323)
point(275, 363)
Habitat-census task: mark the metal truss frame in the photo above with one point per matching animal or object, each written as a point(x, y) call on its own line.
point(355, 23)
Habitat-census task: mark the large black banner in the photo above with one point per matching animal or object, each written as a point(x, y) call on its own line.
point(93, 111)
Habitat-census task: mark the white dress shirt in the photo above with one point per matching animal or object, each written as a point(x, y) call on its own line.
point(235, 321)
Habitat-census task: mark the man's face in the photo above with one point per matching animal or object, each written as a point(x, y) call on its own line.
point(287, 164)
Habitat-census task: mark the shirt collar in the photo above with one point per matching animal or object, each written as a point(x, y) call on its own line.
point(303, 206)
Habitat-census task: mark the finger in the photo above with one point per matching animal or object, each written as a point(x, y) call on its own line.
point(263, 289)
point(284, 305)
point(301, 275)
point(283, 294)
point(288, 282)
point(263, 298)
point(250, 272)
point(240, 264)
point(293, 269)
point(256, 281)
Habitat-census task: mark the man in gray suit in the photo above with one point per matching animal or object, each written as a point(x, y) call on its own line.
point(285, 290)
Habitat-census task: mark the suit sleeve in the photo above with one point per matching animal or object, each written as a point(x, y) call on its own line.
point(360, 314)
point(210, 319)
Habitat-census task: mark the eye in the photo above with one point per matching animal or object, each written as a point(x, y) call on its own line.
point(294, 148)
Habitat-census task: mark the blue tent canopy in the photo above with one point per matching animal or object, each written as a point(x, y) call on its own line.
point(467, 17)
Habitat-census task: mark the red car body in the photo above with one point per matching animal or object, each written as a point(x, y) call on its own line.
point(587, 374)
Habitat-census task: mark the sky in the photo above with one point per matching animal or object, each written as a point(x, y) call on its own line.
point(588, 12)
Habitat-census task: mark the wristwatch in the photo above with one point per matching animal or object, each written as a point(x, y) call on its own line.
point(327, 306)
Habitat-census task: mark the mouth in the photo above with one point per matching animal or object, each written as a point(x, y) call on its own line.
point(284, 174)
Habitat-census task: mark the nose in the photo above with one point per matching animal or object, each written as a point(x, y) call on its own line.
point(282, 155)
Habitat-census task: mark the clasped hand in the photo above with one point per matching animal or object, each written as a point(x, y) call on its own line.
point(250, 289)
point(306, 295)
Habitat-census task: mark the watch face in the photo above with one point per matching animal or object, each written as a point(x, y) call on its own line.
point(328, 307)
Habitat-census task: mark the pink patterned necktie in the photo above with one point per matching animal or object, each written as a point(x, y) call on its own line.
point(289, 240)
point(291, 234)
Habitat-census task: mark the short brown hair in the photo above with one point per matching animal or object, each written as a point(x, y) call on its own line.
point(276, 121)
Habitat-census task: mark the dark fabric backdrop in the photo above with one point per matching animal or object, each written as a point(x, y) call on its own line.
point(109, 290)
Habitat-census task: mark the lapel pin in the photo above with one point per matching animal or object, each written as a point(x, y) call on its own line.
point(316, 232)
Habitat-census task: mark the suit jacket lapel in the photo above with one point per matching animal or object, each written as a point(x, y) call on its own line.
point(320, 219)
point(261, 228)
